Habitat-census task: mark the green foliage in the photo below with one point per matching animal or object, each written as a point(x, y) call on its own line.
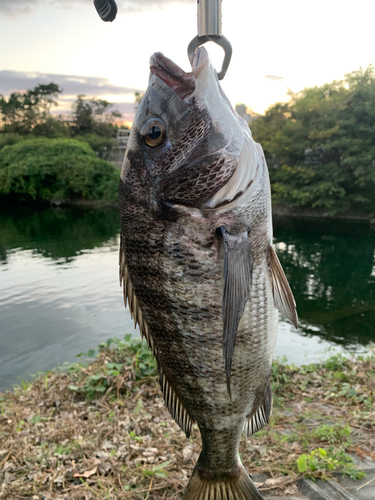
point(333, 433)
point(94, 116)
point(56, 169)
point(10, 139)
point(101, 145)
point(51, 128)
point(320, 146)
point(27, 115)
point(128, 354)
point(158, 470)
point(323, 461)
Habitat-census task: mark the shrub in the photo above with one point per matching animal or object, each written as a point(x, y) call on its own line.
point(101, 145)
point(10, 139)
point(56, 169)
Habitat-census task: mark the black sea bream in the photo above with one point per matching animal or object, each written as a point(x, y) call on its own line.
point(198, 268)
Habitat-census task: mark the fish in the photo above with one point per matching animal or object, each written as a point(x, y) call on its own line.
point(198, 268)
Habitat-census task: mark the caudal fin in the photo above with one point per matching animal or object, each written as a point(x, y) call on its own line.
point(239, 487)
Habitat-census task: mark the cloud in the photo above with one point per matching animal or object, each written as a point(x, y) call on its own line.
point(72, 85)
point(126, 109)
point(13, 8)
point(274, 78)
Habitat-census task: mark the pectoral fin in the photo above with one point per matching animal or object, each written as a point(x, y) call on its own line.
point(238, 266)
point(282, 294)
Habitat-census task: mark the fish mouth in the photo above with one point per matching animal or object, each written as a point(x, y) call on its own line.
point(182, 83)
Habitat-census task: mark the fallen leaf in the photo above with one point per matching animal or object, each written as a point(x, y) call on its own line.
point(87, 473)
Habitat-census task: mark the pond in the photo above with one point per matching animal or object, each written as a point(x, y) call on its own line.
point(59, 291)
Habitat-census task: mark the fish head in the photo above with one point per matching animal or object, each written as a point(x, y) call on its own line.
point(186, 138)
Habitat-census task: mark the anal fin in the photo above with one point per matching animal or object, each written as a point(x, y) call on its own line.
point(256, 421)
point(238, 267)
point(282, 294)
point(174, 405)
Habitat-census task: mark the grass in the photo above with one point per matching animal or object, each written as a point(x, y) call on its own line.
point(100, 429)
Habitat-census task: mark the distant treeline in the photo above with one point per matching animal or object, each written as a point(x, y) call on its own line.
point(55, 170)
point(56, 159)
point(27, 115)
point(320, 146)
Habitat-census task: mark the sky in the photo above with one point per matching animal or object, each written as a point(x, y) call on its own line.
point(276, 46)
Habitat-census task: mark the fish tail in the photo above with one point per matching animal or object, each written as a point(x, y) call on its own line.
point(236, 486)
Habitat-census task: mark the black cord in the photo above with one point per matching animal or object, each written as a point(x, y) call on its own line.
point(107, 9)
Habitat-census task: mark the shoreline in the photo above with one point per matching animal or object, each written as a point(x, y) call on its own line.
point(101, 428)
point(278, 211)
point(283, 211)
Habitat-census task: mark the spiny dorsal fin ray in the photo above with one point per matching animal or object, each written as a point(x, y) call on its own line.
point(238, 267)
point(174, 405)
point(261, 417)
point(282, 294)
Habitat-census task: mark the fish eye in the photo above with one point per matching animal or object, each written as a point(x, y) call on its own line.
point(153, 132)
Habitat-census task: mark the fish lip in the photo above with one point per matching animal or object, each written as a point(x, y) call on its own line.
point(182, 83)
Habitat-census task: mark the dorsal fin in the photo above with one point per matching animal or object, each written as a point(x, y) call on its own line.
point(282, 294)
point(172, 401)
point(130, 299)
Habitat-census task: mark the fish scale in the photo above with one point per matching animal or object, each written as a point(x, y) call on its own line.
point(198, 268)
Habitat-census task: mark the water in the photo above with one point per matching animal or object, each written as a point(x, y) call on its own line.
point(59, 292)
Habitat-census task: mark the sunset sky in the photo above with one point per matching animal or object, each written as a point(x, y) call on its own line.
point(276, 45)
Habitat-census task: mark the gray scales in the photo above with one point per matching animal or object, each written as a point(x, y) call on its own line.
point(198, 268)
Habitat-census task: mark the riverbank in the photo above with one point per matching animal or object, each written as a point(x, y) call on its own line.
point(304, 213)
point(100, 429)
point(279, 212)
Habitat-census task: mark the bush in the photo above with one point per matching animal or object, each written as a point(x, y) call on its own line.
point(56, 169)
point(10, 139)
point(101, 145)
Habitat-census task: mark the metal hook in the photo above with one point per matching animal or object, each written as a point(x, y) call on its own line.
point(209, 30)
point(219, 40)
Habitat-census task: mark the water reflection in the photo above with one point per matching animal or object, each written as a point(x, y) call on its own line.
point(330, 269)
point(59, 292)
point(58, 233)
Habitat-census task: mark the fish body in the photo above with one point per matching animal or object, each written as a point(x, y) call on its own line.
point(198, 268)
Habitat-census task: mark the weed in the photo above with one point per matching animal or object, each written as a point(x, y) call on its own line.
point(322, 461)
point(333, 433)
point(128, 354)
point(335, 362)
point(158, 470)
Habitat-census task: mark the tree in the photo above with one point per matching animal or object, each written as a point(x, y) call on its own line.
point(320, 146)
point(94, 116)
point(21, 112)
point(138, 96)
